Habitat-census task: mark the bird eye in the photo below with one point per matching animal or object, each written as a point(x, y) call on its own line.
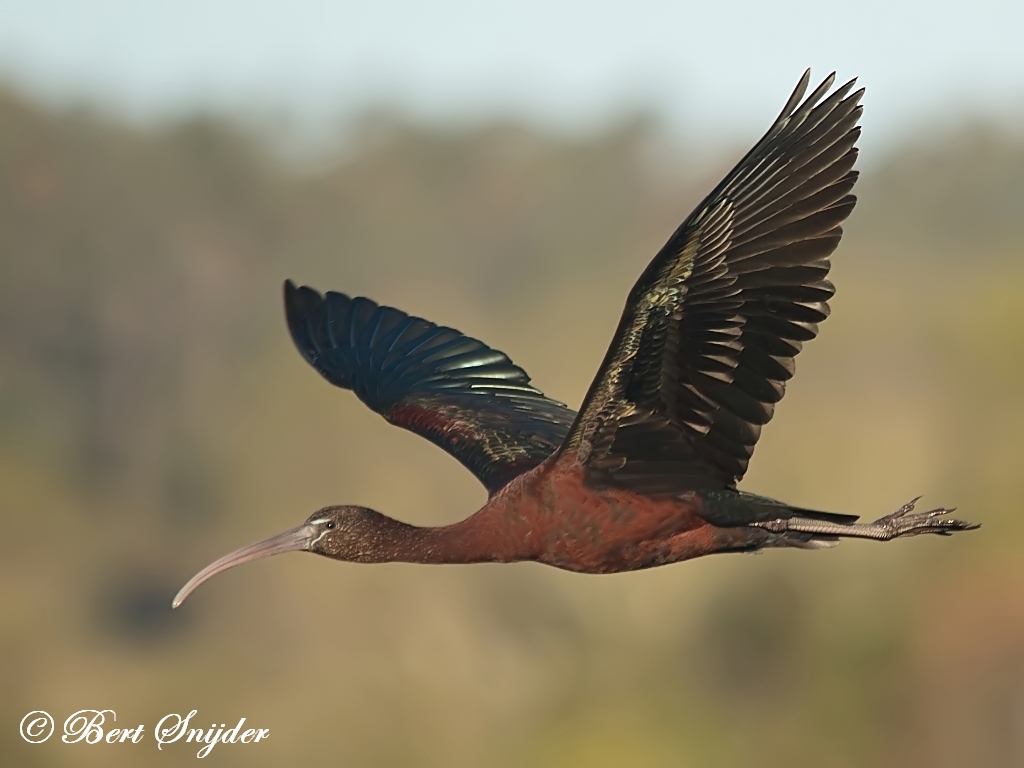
point(329, 525)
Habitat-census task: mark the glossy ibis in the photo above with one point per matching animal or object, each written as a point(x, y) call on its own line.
point(645, 473)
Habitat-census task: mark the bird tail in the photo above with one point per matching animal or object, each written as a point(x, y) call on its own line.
point(729, 508)
point(829, 517)
point(803, 540)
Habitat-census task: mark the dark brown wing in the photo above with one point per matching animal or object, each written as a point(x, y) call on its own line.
point(457, 392)
point(708, 336)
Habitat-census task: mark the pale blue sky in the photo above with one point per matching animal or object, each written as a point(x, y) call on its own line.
point(714, 68)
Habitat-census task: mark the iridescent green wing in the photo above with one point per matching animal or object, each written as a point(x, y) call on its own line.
point(457, 392)
point(710, 330)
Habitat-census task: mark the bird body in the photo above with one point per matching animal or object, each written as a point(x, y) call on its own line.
point(550, 515)
point(645, 473)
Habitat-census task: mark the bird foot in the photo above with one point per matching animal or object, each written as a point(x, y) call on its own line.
point(901, 523)
point(892, 526)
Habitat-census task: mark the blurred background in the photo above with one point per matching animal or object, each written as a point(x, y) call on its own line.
point(507, 170)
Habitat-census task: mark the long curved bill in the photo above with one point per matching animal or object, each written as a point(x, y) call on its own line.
point(296, 540)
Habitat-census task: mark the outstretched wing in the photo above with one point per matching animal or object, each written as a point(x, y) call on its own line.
point(708, 336)
point(457, 392)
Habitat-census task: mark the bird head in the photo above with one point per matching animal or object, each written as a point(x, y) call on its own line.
point(343, 533)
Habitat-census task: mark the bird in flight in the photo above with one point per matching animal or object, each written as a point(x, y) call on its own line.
point(645, 473)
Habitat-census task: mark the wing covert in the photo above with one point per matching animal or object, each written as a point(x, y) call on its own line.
point(457, 392)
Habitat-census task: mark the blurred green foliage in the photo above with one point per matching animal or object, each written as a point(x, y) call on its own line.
point(153, 415)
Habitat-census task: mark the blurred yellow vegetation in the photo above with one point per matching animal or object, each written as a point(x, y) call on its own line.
point(153, 415)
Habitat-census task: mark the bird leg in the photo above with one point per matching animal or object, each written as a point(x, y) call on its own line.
point(895, 525)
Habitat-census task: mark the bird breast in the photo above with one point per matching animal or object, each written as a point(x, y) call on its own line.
point(557, 519)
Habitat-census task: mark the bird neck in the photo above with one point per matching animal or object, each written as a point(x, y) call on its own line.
point(473, 540)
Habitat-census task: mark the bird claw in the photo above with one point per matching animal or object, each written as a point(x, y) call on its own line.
point(901, 512)
point(902, 523)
